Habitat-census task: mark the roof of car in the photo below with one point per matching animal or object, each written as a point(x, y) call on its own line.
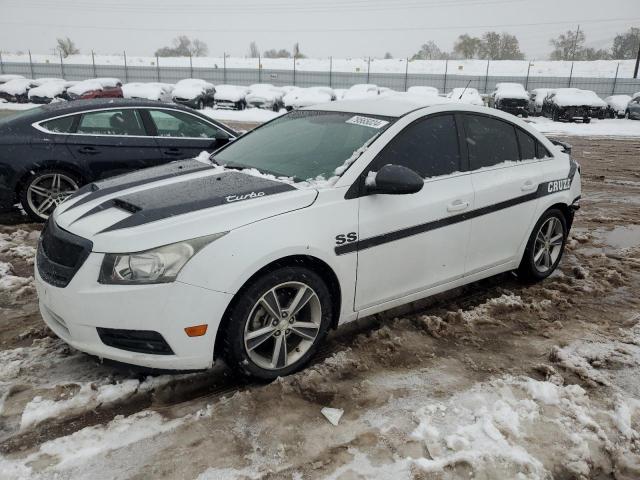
point(388, 106)
point(61, 108)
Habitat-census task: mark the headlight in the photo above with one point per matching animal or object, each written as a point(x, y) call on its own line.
point(158, 265)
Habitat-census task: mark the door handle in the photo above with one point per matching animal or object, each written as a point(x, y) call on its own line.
point(173, 151)
point(528, 185)
point(88, 150)
point(457, 206)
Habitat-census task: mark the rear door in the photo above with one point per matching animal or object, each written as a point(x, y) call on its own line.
point(409, 243)
point(505, 175)
point(181, 135)
point(113, 141)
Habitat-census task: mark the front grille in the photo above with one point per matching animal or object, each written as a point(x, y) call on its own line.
point(139, 341)
point(60, 254)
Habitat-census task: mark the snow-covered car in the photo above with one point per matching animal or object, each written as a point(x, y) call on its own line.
point(536, 98)
point(339, 93)
point(16, 90)
point(361, 91)
point(160, 92)
point(466, 95)
point(423, 90)
point(317, 218)
point(617, 105)
point(95, 88)
point(4, 78)
point(48, 91)
point(306, 97)
point(512, 98)
point(194, 93)
point(264, 95)
point(230, 97)
point(573, 104)
point(633, 108)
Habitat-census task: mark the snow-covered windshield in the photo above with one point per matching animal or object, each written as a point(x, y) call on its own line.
point(304, 144)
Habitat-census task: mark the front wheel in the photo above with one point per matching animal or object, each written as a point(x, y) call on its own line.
point(544, 248)
point(43, 191)
point(277, 324)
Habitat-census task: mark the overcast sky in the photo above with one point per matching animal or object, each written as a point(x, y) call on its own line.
point(341, 28)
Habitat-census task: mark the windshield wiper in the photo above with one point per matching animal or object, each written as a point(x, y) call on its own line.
point(240, 166)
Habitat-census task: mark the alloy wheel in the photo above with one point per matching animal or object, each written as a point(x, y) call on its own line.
point(48, 191)
point(548, 244)
point(283, 325)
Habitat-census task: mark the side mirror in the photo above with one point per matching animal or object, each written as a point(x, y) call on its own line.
point(394, 180)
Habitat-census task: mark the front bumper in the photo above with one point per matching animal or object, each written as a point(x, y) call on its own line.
point(75, 313)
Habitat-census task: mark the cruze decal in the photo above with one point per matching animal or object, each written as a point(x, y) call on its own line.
point(235, 198)
point(544, 188)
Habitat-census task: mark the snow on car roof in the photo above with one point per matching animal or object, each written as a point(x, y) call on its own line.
point(389, 106)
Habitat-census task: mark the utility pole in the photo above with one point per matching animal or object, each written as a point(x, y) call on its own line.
point(575, 44)
point(635, 70)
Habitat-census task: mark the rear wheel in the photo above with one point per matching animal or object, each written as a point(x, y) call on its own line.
point(545, 247)
point(586, 120)
point(43, 191)
point(278, 323)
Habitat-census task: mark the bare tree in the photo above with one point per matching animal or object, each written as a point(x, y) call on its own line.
point(388, 56)
point(467, 46)
point(430, 51)
point(183, 46)
point(296, 51)
point(496, 46)
point(571, 46)
point(625, 45)
point(254, 51)
point(273, 53)
point(66, 47)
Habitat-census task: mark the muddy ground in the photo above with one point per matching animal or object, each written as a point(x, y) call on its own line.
point(494, 380)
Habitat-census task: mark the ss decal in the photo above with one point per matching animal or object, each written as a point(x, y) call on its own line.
point(346, 238)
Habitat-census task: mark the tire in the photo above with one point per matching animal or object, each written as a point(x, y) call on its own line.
point(525, 114)
point(46, 189)
point(262, 356)
point(555, 116)
point(627, 115)
point(538, 261)
point(586, 120)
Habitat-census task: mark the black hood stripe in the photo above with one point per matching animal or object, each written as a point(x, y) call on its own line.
point(178, 198)
point(142, 177)
point(544, 189)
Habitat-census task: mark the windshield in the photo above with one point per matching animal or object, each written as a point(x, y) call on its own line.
point(304, 144)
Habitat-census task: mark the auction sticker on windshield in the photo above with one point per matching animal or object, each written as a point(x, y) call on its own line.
point(367, 121)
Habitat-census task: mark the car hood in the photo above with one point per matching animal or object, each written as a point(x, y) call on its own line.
point(175, 202)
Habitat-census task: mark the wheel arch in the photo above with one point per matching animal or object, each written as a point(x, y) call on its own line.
point(313, 263)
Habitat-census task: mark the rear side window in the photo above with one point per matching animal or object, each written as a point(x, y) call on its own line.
point(429, 147)
point(541, 151)
point(112, 122)
point(527, 145)
point(60, 125)
point(490, 141)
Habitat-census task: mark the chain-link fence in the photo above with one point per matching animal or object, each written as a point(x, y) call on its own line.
point(247, 76)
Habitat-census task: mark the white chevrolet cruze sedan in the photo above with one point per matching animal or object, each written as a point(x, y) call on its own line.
point(314, 219)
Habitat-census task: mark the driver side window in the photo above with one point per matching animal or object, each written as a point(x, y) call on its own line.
point(428, 146)
point(179, 124)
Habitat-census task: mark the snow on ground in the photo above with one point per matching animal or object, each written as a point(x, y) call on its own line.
point(539, 68)
point(615, 127)
point(250, 115)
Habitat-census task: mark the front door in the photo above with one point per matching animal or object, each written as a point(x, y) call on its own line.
point(180, 135)
point(409, 243)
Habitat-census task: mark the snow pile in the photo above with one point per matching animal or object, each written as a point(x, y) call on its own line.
point(190, 88)
point(51, 89)
point(85, 86)
point(108, 82)
point(511, 91)
point(42, 80)
point(466, 95)
point(18, 86)
point(230, 93)
point(618, 103)
point(306, 97)
point(423, 90)
point(616, 127)
point(360, 91)
point(148, 91)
